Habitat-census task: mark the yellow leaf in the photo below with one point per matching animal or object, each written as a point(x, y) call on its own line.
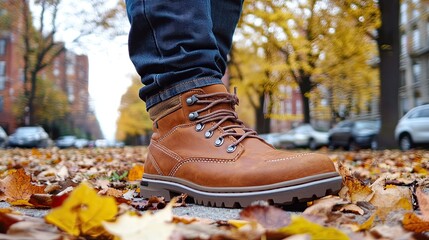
point(368, 223)
point(136, 172)
point(238, 223)
point(149, 226)
point(300, 225)
point(83, 212)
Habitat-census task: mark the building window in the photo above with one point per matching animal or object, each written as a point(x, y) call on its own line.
point(404, 43)
point(415, 7)
point(2, 46)
point(2, 74)
point(404, 13)
point(416, 38)
point(416, 71)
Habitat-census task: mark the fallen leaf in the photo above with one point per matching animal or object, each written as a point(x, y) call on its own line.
point(414, 223)
point(352, 208)
point(17, 186)
point(368, 223)
point(356, 190)
point(30, 230)
point(268, 216)
point(7, 220)
point(136, 173)
point(149, 226)
point(323, 207)
point(41, 200)
point(423, 201)
point(300, 225)
point(83, 212)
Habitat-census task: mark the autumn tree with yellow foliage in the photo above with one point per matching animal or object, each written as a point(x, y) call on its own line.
point(133, 121)
point(317, 46)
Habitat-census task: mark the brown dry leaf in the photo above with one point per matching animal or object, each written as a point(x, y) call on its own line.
point(323, 207)
point(17, 186)
point(29, 230)
point(390, 198)
point(268, 216)
point(7, 220)
point(352, 208)
point(355, 190)
point(414, 223)
point(423, 201)
point(136, 173)
point(391, 232)
point(111, 192)
point(41, 200)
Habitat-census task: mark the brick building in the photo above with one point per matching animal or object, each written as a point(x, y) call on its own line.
point(11, 78)
point(69, 72)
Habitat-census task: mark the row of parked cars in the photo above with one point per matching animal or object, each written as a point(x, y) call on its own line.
point(411, 131)
point(37, 137)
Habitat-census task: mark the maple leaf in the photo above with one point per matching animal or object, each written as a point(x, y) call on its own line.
point(136, 172)
point(268, 216)
point(83, 212)
point(300, 225)
point(149, 226)
point(18, 188)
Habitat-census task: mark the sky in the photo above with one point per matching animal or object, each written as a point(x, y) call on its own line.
point(110, 71)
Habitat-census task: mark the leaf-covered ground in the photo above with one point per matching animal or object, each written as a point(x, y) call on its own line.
point(93, 194)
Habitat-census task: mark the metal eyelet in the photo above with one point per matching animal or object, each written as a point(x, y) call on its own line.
point(231, 148)
point(208, 134)
point(199, 127)
point(191, 100)
point(219, 142)
point(193, 115)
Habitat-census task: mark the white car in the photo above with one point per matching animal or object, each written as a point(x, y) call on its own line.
point(305, 136)
point(413, 128)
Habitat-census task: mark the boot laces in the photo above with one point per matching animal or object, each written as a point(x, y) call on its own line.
point(220, 116)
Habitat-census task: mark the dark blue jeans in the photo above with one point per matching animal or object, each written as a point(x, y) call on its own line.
point(178, 45)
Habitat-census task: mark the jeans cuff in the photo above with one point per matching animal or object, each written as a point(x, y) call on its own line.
point(179, 88)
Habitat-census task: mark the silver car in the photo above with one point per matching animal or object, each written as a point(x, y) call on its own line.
point(33, 136)
point(305, 136)
point(413, 128)
point(3, 138)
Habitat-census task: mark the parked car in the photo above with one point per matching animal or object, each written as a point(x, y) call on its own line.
point(32, 136)
point(3, 138)
point(272, 138)
point(413, 128)
point(67, 141)
point(81, 143)
point(305, 136)
point(355, 134)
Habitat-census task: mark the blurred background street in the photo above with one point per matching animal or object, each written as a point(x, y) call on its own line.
point(310, 74)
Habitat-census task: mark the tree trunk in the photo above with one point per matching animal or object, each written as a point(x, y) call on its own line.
point(389, 47)
point(305, 88)
point(263, 124)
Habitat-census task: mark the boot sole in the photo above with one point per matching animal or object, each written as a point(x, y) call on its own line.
point(290, 193)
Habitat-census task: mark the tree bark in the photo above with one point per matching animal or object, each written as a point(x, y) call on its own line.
point(305, 86)
point(263, 124)
point(389, 50)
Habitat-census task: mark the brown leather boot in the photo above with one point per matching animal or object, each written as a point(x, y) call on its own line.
point(201, 148)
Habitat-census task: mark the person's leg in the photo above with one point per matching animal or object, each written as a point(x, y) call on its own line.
point(225, 15)
point(172, 46)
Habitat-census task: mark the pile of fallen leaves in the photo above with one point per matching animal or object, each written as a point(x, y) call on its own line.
point(93, 194)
